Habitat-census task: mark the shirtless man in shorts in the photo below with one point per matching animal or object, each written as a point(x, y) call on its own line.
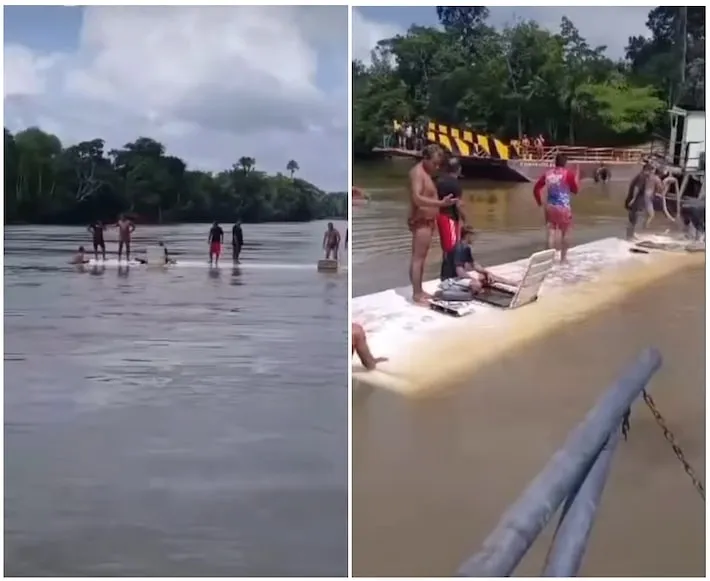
point(424, 207)
point(125, 229)
point(635, 202)
point(97, 234)
point(652, 188)
point(331, 241)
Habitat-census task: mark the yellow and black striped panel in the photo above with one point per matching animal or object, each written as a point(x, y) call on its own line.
point(464, 142)
point(455, 145)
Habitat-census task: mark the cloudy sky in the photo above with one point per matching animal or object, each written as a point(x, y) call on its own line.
point(211, 83)
point(600, 25)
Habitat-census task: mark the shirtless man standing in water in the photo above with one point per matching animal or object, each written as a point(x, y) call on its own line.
point(331, 242)
point(424, 207)
point(125, 229)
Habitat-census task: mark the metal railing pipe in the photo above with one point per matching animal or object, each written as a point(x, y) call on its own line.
point(570, 543)
point(521, 524)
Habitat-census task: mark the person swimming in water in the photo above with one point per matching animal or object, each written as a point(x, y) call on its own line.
point(360, 346)
point(331, 241)
point(79, 257)
point(97, 234)
point(125, 228)
point(602, 174)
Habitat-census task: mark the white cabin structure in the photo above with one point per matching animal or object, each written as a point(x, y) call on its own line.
point(686, 147)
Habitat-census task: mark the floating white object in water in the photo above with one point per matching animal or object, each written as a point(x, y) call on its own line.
point(327, 265)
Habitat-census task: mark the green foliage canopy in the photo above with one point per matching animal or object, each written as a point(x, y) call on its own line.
point(525, 79)
point(47, 183)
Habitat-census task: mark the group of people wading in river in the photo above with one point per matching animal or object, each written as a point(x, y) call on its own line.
point(650, 188)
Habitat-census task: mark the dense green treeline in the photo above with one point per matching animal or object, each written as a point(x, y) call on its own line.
point(526, 80)
point(48, 183)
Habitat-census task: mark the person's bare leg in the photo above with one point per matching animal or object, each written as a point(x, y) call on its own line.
point(335, 253)
point(120, 249)
point(564, 245)
point(368, 360)
point(475, 285)
point(550, 238)
point(421, 241)
point(650, 213)
point(103, 252)
point(96, 253)
point(128, 250)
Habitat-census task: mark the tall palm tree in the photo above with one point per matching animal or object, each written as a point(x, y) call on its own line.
point(292, 167)
point(246, 164)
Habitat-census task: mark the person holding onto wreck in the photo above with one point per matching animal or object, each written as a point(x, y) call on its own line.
point(360, 346)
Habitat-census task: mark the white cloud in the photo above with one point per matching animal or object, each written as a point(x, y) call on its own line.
point(25, 72)
point(599, 25)
point(367, 33)
point(212, 83)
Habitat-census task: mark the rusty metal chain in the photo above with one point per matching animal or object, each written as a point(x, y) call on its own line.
point(671, 440)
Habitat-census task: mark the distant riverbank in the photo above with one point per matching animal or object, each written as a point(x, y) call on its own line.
point(48, 183)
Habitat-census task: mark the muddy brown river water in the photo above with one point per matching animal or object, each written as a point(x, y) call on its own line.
point(432, 476)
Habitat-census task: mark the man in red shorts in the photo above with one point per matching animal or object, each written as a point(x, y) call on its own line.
point(553, 192)
point(215, 241)
point(359, 344)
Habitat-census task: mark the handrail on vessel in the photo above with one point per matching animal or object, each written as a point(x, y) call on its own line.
point(612, 155)
point(576, 474)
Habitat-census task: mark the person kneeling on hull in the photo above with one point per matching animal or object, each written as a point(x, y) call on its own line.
point(165, 258)
point(460, 272)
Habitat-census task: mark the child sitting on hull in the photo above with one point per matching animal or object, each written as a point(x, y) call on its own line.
point(462, 274)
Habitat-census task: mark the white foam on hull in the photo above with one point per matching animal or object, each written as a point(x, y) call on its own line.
point(392, 322)
point(227, 264)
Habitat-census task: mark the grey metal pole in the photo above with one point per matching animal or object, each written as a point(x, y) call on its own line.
point(521, 524)
point(570, 542)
